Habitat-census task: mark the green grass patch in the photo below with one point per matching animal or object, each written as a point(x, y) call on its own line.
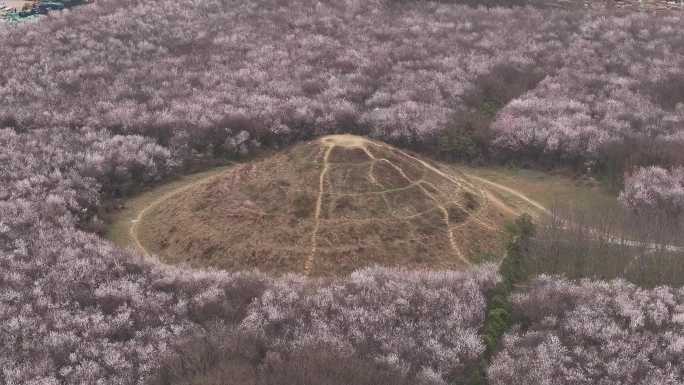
point(547, 188)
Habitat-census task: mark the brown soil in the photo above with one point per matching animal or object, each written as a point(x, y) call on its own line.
point(325, 208)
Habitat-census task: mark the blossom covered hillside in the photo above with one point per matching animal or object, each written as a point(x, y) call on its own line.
point(194, 75)
point(593, 333)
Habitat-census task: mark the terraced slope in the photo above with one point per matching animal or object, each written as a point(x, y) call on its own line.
point(328, 207)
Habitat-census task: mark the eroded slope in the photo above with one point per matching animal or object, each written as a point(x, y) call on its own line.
point(328, 207)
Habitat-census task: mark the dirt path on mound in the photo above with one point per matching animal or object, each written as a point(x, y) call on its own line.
point(511, 191)
point(499, 186)
point(350, 141)
point(140, 206)
point(488, 196)
point(308, 265)
point(363, 143)
point(134, 227)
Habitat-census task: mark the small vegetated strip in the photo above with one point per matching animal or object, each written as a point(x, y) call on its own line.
point(499, 309)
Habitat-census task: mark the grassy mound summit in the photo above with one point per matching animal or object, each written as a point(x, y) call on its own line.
point(328, 207)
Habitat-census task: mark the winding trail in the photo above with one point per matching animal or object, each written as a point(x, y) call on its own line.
point(350, 141)
point(133, 231)
point(308, 265)
point(438, 205)
point(488, 195)
point(130, 218)
point(511, 191)
point(364, 143)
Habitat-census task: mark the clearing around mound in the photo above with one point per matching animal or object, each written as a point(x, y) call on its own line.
point(328, 207)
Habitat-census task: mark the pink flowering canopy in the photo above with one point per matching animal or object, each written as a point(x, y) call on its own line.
point(593, 332)
point(398, 71)
point(655, 188)
point(110, 97)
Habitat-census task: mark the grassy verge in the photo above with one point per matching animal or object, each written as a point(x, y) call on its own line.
point(548, 188)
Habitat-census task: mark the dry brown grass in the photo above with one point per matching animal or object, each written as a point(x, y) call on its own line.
point(328, 207)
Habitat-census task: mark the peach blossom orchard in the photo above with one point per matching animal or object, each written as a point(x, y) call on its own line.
point(108, 97)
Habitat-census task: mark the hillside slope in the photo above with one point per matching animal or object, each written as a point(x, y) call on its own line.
point(328, 207)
